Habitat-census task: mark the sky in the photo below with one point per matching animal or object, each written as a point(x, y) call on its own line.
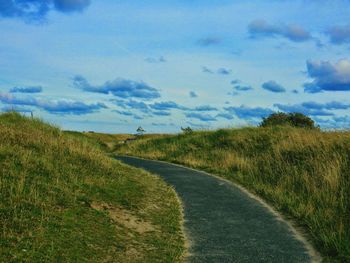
point(114, 65)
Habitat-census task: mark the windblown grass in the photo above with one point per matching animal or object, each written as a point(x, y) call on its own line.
point(303, 173)
point(63, 200)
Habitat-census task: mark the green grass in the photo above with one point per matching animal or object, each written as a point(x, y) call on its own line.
point(63, 200)
point(303, 173)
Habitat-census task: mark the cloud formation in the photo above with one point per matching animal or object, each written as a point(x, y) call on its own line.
point(53, 106)
point(220, 71)
point(242, 88)
point(132, 104)
point(224, 71)
point(16, 108)
point(193, 94)
point(244, 112)
point(204, 108)
point(261, 28)
point(226, 116)
point(166, 105)
point(327, 76)
point(314, 108)
point(333, 105)
point(339, 34)
point(273, 86)
point(160, 59)
point(31, 89)
point(32, 10)
point(341, 122)
point(207, 70)
point(199, 116)
point(120, 88)
point(209, 41)
point(161, 113)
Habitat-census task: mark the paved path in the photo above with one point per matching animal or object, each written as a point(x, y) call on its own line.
point(224, 224)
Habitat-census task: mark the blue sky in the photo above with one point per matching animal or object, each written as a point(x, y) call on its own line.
point(111, 66)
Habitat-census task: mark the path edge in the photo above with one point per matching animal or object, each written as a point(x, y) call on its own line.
point(298, 232)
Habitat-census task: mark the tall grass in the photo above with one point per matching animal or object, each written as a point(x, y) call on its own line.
point(303, 173)
point(63, 200)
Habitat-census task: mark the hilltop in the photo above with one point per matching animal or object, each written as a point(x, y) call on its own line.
point(62, 199)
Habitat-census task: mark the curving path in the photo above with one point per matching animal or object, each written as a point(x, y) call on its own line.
point(223, 223)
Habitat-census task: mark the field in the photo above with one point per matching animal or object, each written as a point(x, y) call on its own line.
point(63, 200)
point(303, 173)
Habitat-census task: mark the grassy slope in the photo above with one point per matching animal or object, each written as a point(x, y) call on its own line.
point(302, 173)
point(63, 200)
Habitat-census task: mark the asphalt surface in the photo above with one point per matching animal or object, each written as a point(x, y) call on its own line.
point(222, 222)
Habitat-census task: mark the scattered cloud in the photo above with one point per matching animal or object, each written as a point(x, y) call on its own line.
point(339, 34)
point(273, 86)
point(242, 88)
point(156, 109)
point(155, 60)
point(244, 112)
point(224, 71)
point(37, 10)
point(327, 76)
point(220, 71)
point(340, 122)
point(233, 93)
point(333, 105)
point(207, 70)
point(120, 88)
point(125, 113)
point(29, 89)
point(226, 116)
point(261, 28)
point(235, 81)
point(209, 41)
point(132, 104)
point(137, 117)
point(53, 106)
point(204, 108)
point(307, 108)
point(199, 116)
point(193, 94)
point(161, 113)
point(198, 126)
point(161, 124)
point(16, 108)
point(166, 105)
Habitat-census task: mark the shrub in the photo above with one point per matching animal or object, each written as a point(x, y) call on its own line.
point(187, 130)
point(292, 119)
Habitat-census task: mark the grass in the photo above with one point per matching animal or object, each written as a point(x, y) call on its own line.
point(305, 174)
point(63, 200)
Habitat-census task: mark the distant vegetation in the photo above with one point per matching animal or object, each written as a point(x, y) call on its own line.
point(304, 173)
point(63, 200)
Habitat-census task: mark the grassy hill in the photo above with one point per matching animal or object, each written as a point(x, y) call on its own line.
point(63, 200)
point(303, 173)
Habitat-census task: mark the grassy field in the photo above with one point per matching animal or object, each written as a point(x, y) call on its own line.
point(63, 200)
point(305, 174)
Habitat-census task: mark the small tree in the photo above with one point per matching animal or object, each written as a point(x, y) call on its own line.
point(293, 119)
point(140, 131)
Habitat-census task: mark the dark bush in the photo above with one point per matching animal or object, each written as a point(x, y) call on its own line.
point(293, 119)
